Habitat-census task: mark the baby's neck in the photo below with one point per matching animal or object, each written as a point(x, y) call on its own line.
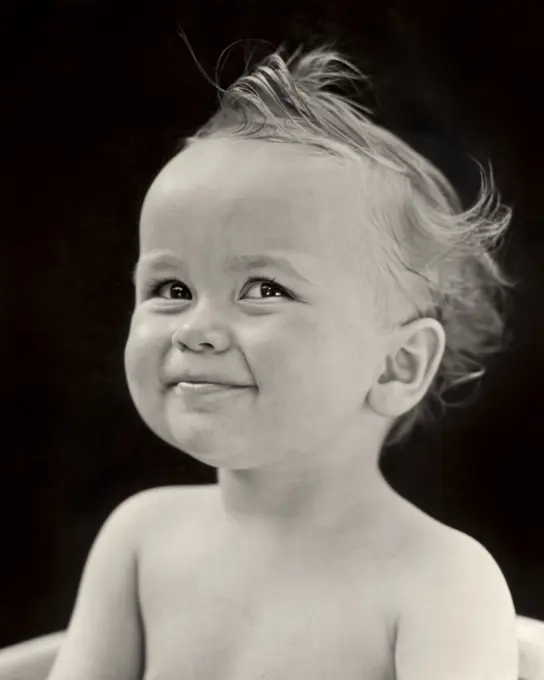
point(306, 495)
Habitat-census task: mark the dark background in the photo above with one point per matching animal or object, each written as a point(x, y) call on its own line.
point(97, 94)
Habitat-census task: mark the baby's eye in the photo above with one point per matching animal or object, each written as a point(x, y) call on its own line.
point(266, 288)
point(171, 289)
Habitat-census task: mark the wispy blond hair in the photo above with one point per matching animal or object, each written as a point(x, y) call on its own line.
point(433, 258)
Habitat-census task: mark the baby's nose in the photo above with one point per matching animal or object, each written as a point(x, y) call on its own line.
point(201, 333)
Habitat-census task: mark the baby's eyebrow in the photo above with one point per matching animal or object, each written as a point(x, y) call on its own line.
point(245, 262)
point(237, 263)
point(155, 261)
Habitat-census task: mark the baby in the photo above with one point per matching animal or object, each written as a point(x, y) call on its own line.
point(307, 285)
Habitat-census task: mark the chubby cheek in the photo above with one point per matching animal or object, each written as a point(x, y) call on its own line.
point(298, 361)
point(143, 350)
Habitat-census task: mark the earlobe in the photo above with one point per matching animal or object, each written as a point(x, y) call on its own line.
point(411, 364)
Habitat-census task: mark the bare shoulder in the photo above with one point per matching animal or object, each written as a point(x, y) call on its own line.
point(162, 497)
point(151, 512)
point(435, 548)
point(454, 597)
point(433, 553)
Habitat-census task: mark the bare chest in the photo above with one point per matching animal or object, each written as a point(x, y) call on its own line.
point(221, 617)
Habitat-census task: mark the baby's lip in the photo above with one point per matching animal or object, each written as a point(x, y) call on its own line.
point(202, 379)
point(200, 389)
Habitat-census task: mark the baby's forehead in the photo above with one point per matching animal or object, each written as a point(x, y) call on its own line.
point(272, 197)
point(255, 176)
point(242, 168)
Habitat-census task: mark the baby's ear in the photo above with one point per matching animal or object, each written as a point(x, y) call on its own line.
point(412, 360)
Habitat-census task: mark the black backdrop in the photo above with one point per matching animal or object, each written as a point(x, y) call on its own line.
point(97, 94)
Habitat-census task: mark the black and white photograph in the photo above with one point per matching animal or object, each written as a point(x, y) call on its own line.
point(273, 326)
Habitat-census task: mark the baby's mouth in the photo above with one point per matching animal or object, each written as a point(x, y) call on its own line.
point(206, 388)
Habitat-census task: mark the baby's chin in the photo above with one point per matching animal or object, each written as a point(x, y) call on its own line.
point(217, 449)
point(196, 437)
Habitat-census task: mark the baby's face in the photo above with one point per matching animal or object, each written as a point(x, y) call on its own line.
point(254, 271)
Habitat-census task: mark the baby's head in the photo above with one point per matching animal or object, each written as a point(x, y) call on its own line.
point(385, 298)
